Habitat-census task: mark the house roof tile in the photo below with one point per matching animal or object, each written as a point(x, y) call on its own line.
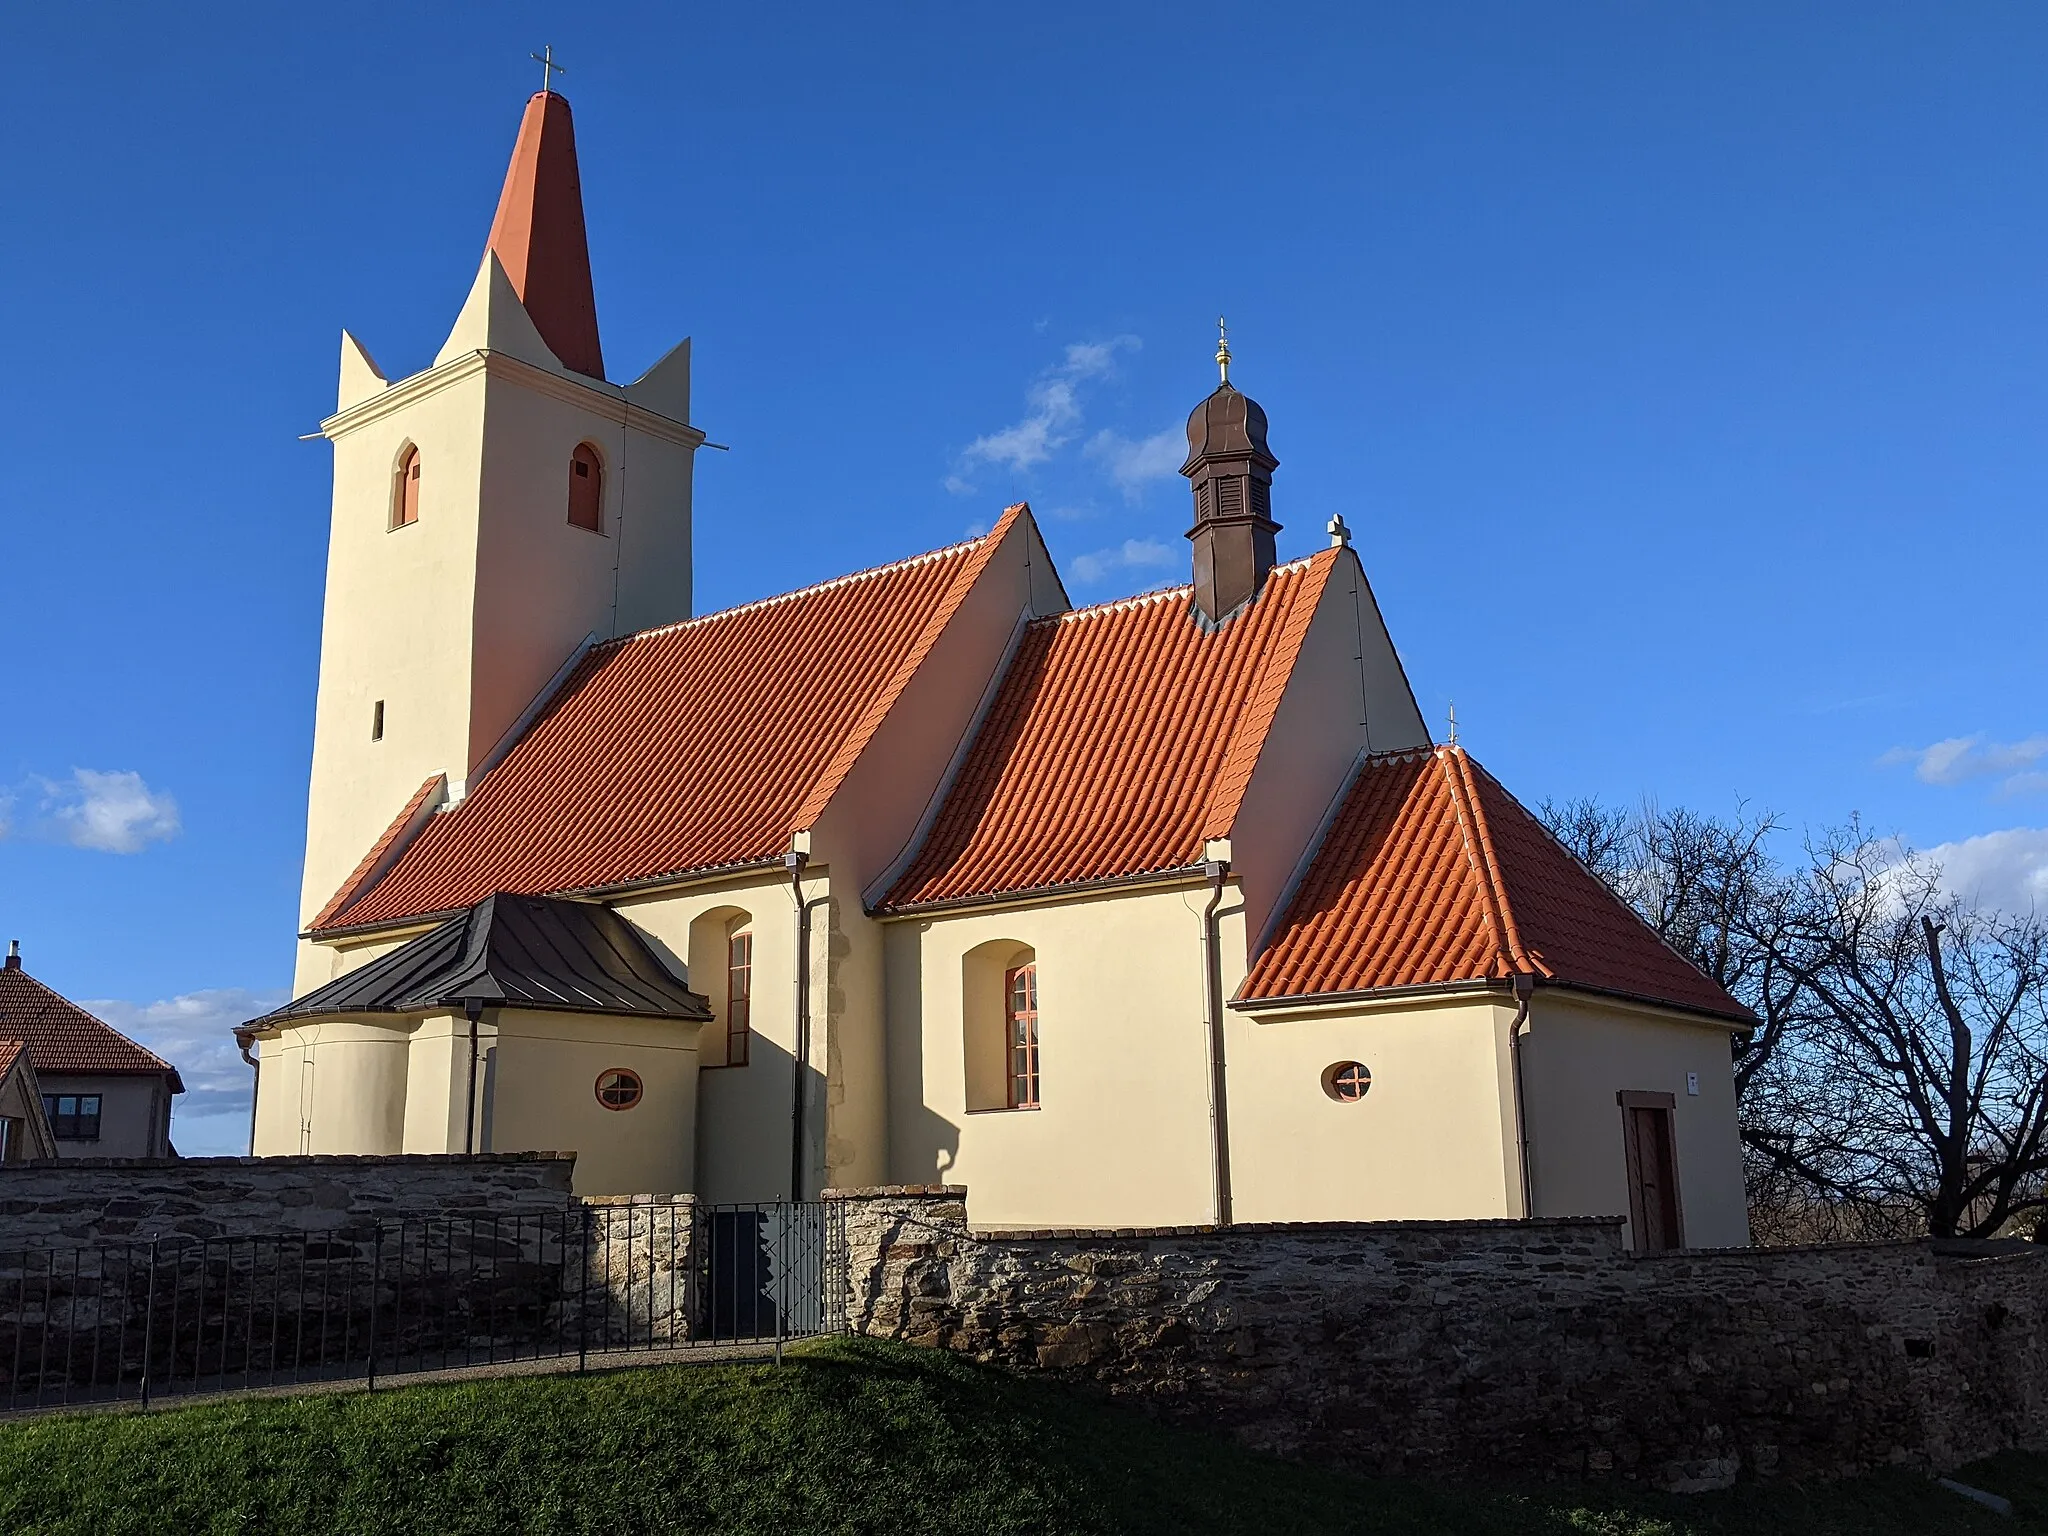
point(63, 1038)
point(698, 746)
point(1121, 737)
point(1432, 873)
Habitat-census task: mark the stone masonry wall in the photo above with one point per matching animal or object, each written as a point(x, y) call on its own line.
point(1519, 1348)
point(91, 1200)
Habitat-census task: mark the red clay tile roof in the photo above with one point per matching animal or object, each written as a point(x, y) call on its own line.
point(1122, 737)
point(62, 1037)
point(384, 852)
point(698, 746)
point(1433, 873)
point(9, 1050)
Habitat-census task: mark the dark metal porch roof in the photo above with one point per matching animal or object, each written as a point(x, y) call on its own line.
point(511, 952)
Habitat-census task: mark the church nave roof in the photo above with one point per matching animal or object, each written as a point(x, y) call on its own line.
point(698, 746)
point(1123, 737)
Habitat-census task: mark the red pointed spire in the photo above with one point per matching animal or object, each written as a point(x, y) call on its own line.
point(538, 235)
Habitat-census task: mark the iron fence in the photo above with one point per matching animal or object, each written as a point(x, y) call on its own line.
point(177, 1315)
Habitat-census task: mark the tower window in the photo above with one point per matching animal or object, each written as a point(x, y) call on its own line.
point(377, 721)
point(405, 489)
point(586, 489)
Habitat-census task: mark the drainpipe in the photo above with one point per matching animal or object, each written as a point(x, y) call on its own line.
point(1525, 989)
point(255, 1086)
point(800, 1035)
point(1217, 867)
point(473, 1010)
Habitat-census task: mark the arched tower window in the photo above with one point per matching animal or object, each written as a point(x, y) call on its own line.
point(405, 489)
point(999, 1019)
point(586, 489)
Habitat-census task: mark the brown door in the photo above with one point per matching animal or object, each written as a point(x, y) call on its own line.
point(1653, 1207)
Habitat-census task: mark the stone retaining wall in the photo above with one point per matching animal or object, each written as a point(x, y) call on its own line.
point(105, 1199)
point(1520, 1348)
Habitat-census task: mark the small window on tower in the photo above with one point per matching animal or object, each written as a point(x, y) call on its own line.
point(377, 721)
point(405, 489)
point(586, 489)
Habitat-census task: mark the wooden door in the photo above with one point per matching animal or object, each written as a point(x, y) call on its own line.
point(1654, 1210)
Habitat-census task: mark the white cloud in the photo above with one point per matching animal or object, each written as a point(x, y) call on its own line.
point(195, 1034)
point(1052, 412)
point(1135, 463)
point(1131, 555)
point(111, 812)
point(2007, 870)
point(1962, 758)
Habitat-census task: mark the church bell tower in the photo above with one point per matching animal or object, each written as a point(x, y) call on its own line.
point(492, 514)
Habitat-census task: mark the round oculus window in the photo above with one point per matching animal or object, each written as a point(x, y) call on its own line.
point(617, 1088)
point(1347, 1081)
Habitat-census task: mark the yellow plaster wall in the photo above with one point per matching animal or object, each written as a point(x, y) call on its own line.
point(334, 1086)
point(1123, 1134)
point(743, 1126)
point(1578, 1054)
point(544, 1097)
point(437, 1084)
point(396, 626)
point(1429, 1140)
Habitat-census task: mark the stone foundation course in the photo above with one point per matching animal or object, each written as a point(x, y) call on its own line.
point(1514, 1349)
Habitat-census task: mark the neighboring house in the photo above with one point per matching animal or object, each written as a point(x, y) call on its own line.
point(102, 1094)
point(24, 1132)
point(1164, 911)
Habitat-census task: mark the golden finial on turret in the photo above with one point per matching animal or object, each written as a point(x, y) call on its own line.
point(1223, 349)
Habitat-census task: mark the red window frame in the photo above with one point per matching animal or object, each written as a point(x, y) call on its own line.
point(405, 490)
point(1348, 1081)
point(1020, 1033)
point(586, 489)
point(739, 997)
point(619, 1088)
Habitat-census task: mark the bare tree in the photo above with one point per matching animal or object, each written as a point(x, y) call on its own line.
point(1932, 1033)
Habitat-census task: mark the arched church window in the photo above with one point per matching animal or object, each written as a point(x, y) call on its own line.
point(405, 489)
point(999, 1026)
point(586, 489)
point(1020, 1018)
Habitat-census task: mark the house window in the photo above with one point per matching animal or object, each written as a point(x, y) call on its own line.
point(739, 997)
point(1020, 1017)
point(405, 489)
point(10, 1139)
point(1347, 1081)
point(586, 489)
point(73, 1116)
point(618, 1088)
point(377, 721)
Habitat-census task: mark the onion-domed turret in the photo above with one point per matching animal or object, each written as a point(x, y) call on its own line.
point(1232, 471)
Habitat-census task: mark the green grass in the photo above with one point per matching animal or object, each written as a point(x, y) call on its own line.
point(849, 1436)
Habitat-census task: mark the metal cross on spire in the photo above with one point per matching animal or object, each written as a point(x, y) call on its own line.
point(1223, 349)
point(548, 67)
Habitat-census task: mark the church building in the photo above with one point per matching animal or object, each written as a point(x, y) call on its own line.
point(1164, 911)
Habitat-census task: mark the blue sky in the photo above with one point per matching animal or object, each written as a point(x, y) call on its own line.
point(1682, 371)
